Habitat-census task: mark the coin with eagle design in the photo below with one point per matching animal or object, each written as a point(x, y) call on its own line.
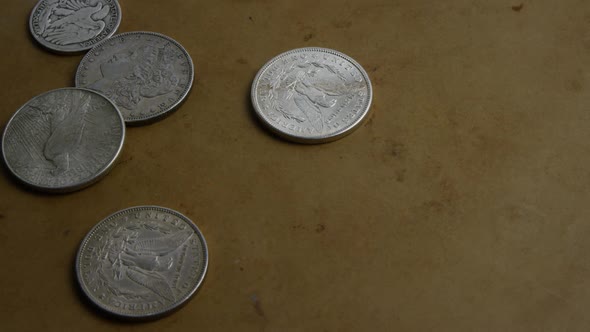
point(142, 262)
point(312, 95)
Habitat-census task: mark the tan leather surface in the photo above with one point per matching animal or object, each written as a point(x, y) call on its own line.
point(462, 204)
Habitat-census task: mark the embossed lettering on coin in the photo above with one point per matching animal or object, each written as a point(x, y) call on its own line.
point(141, 262)
point(312, 95)
point(63, 140)
point(74, 25)
point(146, 74)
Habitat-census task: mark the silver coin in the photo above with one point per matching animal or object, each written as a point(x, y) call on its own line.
point(142, 262)
point(146, 74)
point(63, 140)
point(312, 95)
point(71, 26)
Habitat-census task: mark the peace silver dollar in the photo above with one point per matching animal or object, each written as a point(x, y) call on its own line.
point(71, 26)
point(63, 140)
point(146, 74)
point(311, 95)
point(142, 262)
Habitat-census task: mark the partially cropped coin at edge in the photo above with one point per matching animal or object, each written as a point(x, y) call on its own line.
point(73, 26)
point(63, 140)
point(142, 262)
point(146, 74)
point(312, 95)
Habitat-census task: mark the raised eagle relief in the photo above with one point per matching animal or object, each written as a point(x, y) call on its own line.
point(72, 21)
point(142, 261)
point(312, 95)
point(74, 25)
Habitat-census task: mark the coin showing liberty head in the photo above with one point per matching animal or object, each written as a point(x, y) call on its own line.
point(146, 74)
point(311, 95)
point(63, 140)
point(73, 26)
point(142, 262)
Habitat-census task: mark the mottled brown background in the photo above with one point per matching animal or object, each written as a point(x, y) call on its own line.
point(462, 203)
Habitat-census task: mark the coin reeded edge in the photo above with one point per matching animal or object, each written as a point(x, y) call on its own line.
point(147, 119)
point(179, 303)
point(320, 138)
point(75, 187)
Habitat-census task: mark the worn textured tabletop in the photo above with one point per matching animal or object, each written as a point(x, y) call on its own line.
point(460, 205)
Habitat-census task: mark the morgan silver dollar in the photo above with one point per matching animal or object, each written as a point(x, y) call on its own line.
point(71, 26)
point(312, 95)
point(142, 262)
point(146, 74)
point(63, 140)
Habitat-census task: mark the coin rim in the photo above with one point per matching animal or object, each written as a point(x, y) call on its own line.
point(162, 114)
point(317, 138)
point(78, 185)
point(176, 305)
point(48, 45)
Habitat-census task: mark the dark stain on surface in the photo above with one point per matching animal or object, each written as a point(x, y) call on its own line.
point(257, 306)
point(518, 8)
point(398, 150)
point(342, 24)
point(298, 227)
point(66, 232)
point(124, 161)
point(242, 61)
point(400, 175)
point(371, 116)
point(320, 228)
point(251, 19)
point(307, 37)
point(2, 216)
point(574, 86)
point(434, 206)
point(444, 201)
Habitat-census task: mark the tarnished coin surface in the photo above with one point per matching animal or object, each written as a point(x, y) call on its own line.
point(142, 262)
point(71, 26)
point(63, 140)
point(146, 74)
point(311, 95)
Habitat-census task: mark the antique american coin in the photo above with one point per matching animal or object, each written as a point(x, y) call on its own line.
point(70, 26)
point(312, 95)
point(63, 140)
point(146, 74)
point(142, 262)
